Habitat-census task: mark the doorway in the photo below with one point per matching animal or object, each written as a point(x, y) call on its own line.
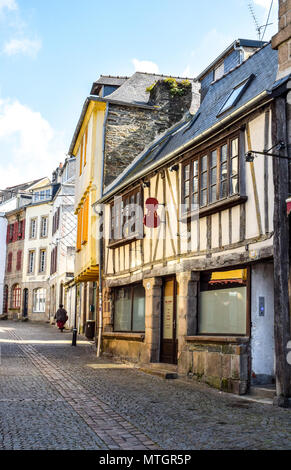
point(5, 301)
point(25, 303)
point(169, 343)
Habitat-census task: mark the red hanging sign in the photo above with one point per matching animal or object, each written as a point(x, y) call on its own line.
point(151, 218)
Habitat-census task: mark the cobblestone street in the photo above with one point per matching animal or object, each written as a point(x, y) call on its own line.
point(53, 396)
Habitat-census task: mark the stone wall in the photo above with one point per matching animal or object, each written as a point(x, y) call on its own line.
point(37, 316)
point(130, 129)
point(282, 40)
point(223, 366)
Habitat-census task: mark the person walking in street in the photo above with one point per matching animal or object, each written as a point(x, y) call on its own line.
point(61, 317)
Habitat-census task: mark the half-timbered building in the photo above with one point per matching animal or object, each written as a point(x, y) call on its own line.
point(189, 237)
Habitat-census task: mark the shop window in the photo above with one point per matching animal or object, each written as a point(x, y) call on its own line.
point(129, 308)
point(223, 303)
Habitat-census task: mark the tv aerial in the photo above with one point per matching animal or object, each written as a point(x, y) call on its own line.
point(258, 27)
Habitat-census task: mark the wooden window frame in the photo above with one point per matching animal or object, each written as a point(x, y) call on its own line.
point(85, 221)
point(42, 271)
point(220, 201)
point(85, 146)
point(123, 217)
point(79, 229)
point(16, 296)
point(19, 260)
point(81, 156)
point(131, 286)
point(33, 267)
point(9, 262)
point(44, 217)
point(54, 258)
point(33, 219)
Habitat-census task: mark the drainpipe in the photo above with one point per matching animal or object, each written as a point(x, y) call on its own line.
point(100, 302)
point(241, 51)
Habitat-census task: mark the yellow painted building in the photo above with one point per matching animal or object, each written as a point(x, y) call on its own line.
point(118, 120)
point(87, 147)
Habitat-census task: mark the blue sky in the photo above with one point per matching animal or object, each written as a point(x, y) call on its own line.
point(52, 50)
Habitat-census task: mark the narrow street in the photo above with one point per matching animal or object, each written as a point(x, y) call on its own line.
point(53, 396)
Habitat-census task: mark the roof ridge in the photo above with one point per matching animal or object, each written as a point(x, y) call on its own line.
point(163, 75)
point(114, 76)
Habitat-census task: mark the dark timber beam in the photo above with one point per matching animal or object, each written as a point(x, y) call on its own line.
point(281, 257)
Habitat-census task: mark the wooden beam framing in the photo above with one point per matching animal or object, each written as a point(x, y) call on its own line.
point(255, 190)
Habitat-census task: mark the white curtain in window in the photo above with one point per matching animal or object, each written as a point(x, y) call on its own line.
point(39, 296)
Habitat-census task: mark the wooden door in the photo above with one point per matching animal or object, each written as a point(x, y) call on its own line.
point(169, 342)
point(25, 303)
point(5, 303)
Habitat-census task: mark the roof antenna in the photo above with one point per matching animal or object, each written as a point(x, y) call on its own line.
point(258, 29)
point(264, 26)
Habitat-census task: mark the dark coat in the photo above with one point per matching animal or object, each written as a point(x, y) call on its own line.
point(61, 315)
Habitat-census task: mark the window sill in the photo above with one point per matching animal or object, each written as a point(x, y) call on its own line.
point(125, 241)
point(216, 207)
point(217, 339)
point(124, 336)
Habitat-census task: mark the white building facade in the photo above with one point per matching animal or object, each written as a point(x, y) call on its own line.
point(3, 233)
point(36, 256)
point(63, 234)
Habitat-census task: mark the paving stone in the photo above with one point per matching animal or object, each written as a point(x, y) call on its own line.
point(50, 399)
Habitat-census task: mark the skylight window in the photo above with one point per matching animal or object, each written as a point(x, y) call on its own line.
point(235, 95)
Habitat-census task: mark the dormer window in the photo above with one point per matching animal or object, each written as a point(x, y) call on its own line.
point(235, 95)
point(42, 195)
point(218, 71)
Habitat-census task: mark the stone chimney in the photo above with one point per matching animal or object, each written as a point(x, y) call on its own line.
point(173, 97)
point(282, 40)
point(130, 129)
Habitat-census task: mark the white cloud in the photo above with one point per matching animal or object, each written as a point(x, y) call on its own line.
point(22, 46)
point(145, 66)
point(263, 3)
point(8, 4)
point(30, 147)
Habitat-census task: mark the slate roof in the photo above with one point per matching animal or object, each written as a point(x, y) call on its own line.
point(23, 185)
point(107, 80)
point(131, 93)
point(236, 43)
point(134, 89)
point(263, 64)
